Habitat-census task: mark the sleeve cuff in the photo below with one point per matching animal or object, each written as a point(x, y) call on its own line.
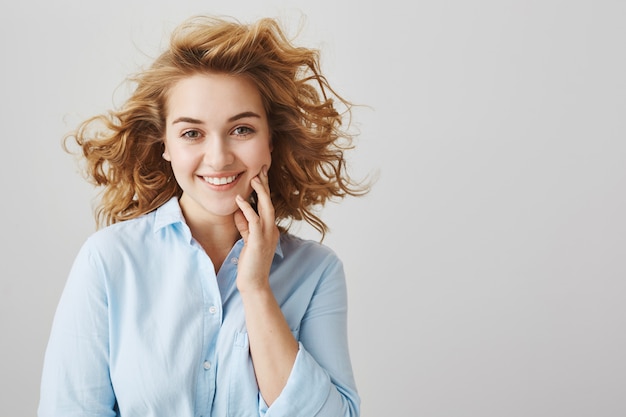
point(306, 391)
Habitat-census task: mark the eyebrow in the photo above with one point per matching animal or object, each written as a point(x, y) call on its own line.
point(243, 116)
point(230, 119)
point(187, 120)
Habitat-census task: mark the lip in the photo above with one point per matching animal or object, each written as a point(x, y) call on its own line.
point(221, 177)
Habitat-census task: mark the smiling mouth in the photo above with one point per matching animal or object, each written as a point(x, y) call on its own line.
point(220, 180)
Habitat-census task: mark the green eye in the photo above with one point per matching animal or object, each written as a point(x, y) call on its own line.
point(191, 134)
point(242, 131)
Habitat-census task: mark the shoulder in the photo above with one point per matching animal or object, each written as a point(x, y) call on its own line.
point(312, 267)
point(125, 234)
point(292, 243)
point(123, 246)
point(307, 251)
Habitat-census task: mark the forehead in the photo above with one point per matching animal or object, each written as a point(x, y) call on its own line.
point(213, 94)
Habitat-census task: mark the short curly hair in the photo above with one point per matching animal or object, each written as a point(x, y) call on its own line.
point(123, 149)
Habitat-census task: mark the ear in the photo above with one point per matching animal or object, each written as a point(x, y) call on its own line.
point(166, 155)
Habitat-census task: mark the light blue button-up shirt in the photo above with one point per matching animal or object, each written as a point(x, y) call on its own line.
point(146, 328)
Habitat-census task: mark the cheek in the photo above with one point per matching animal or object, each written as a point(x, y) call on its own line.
point(267, 153)
point(258, 156)
point(182, 161)
point(266, 159)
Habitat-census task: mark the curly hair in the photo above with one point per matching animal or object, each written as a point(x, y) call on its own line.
point(123, 149)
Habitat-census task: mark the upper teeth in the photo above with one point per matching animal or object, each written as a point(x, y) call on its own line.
point(220, 180)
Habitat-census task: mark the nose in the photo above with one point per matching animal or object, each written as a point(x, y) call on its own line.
point(217, 153)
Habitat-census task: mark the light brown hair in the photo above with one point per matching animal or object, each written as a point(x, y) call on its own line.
point(122, 149)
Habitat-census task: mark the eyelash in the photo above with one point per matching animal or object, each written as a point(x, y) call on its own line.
point(187, 135)
point(247, 131)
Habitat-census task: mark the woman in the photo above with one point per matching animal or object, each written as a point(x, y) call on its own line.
point(194, 299)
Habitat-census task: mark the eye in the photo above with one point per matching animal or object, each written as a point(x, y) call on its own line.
point(191, 134)
point(242, 131)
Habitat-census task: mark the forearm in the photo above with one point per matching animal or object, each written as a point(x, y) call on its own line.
point(272, 346)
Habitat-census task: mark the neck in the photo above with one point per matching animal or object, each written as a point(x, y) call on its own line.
point(216, 235)
point(216, 240)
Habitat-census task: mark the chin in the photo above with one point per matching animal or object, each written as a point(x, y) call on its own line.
point(223, 211)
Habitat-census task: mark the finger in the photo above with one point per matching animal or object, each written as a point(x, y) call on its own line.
point(263, 179)
point(264, 176)
point(246, 208)
point(260, 184)
point(242, 225)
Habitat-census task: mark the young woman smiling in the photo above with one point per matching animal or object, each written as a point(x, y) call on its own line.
point(192, 298)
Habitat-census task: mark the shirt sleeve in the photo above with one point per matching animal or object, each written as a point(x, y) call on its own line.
point(75, 379)
point(321, 383)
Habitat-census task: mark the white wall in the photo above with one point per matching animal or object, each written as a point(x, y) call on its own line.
point(486, 269)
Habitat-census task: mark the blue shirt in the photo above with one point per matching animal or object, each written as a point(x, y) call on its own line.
point(146, 328)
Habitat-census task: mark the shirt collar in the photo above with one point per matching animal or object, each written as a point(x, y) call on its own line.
point(170, 214)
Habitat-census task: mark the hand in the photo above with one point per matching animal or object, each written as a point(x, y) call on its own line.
point(260, 236)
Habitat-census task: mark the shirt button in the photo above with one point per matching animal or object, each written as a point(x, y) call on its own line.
point(234, 261)
point(206, 365)
point(212, 309)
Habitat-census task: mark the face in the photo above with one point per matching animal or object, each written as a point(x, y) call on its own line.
point(217, 139)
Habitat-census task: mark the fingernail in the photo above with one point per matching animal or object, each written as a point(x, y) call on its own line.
point(264, 170)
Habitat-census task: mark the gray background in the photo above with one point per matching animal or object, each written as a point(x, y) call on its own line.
point(486, 269)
